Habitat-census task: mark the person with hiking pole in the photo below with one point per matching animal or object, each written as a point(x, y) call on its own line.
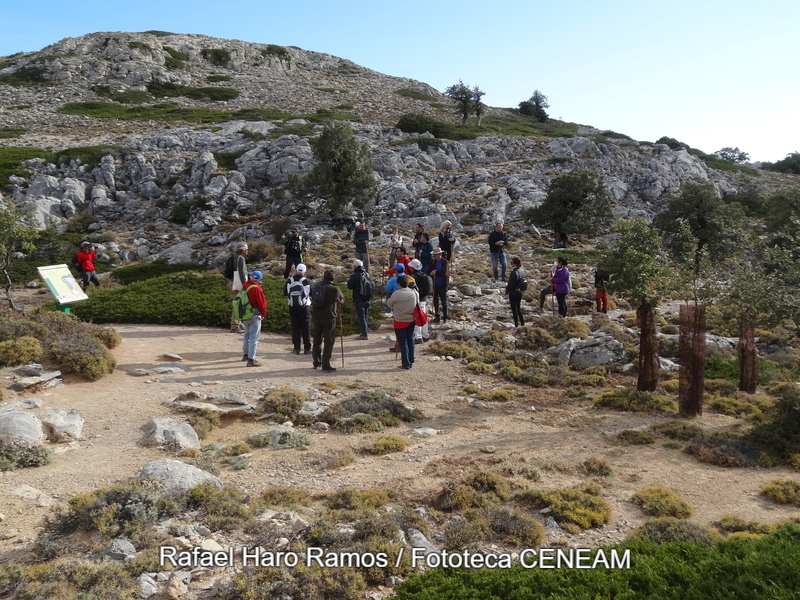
point(341, 336)
point(362, 287)
point(403, 302)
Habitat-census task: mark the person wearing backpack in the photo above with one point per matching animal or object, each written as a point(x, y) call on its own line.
point(84, 262)
point(363, 290)
point(402, 303)
point(325, 301)
point(424, 288)
point(294, 246)
point(235, 271)
point(514, 288)
point(298, 292)
point(252, 325)
point(600, 282)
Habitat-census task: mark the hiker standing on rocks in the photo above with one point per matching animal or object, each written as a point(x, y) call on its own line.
point(600, 282)
point(395, 243)
point(361, 241)
point(402, 303)
point(361, 297)
point(440, 273)
point(425, 249)
point(424, 288)
point(419, 229)
point(84, 262)
point(498, 240)
point(298, 292)
point(252, 326)
point(560, 281)
point(235, 271)
point(446, 240)
point(514, 292)
point(294, 245)
point(325, 300)
point(546, 291)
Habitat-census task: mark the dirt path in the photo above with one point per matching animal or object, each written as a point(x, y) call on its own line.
point(556, 438)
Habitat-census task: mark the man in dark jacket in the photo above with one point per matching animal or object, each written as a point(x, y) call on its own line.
point(298, 292)
point(424, 285)
point(360, 301)
point(498, 240)
point(361, 241)
point(324, 321)
point(600, 282)
point(440, 273)
point(513, 291)
point(294, 245)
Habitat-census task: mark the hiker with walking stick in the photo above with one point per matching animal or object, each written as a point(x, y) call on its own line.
point(325, 301)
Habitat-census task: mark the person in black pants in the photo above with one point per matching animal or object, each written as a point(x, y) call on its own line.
point(295, 244)
point(514, 295)
point(298, 291)
point(440, 273)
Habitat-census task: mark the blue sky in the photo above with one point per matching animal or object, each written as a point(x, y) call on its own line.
point(710, 73)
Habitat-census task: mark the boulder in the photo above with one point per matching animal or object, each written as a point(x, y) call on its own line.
point(170, 433)
point(176, 477)
point(118, 550)
point(62, 425)
point(21, 429)
point(600, 349)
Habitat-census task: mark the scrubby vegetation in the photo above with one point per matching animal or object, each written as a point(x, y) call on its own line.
point(632, 400)
point(782, 491)
point(368, 411)
point(573, 509)
point(662, 502)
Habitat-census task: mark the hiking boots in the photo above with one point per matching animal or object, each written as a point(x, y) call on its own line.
point(329, 369)
point(253, 363)
point(245, 358)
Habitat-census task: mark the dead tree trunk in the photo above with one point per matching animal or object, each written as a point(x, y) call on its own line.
point(7, 288)
point(748, 359)
point(692, 357)
point(649, 368)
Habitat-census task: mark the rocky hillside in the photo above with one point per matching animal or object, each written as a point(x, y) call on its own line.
point(163, 182)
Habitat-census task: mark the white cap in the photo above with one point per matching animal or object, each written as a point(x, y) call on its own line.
point(301, 268)
point(358, 223)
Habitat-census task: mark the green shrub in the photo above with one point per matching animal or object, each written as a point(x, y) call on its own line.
point(731, 524)
point(461, 534)
point(534, 338)
point(299, 583)
point(597, 467)
point(629, 399)
point(367, 411)
point(82, 355)
point(480, 367)
point(174, 59)
point(280, 495)
point(723, 453)
point(780, 437)
point(165, 89)
point(122, 509)
point(12, 330)
point(455, 349)
point(20, 351)
point(417, 123)
point(228, 509)
point(13, 456)
point(108, 337)
point(65, 580)
point(782, 491)
point(144, 271)
point(720, 386)
point(203, 422)
point(477, 490)
point(668, 530)
point(677, 430)
point(218, 78)
point(128, 96)
point(353, 499)
point(662, 502)
point(387, 444)
point(285, 403)
point(574, 510)
point(735, 408)
point(564, 329)
point(218, 57)
point(335, 459)
point(414, 94)
point(635, 437)
point(27, 77)
point(12, 132)
point(514, 528)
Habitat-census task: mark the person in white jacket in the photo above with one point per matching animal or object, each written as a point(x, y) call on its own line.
point(403, 302)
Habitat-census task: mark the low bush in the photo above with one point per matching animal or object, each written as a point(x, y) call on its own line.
point(478, 490)
point(780, 437)
point(629, 399)
point(417, 123)
point(480, 367)
point(284, 496)
point(83, 355)
point(387, 444)
point(662, 502)
point(462, 534)
point(735, 408)
point(668, 530)
point(564, 329)
point(534, 338)
point(454, 349)
point(720, 386)
point(353, 499)
point(513, 527)
point(723, 453)
point(13, 456)
point(218, 57)
point(782, 491)
point(283, 403)
point(65, 580)
point(597, 467)
point(122, 509)
point(299, 583)
point(732, 524)
point(228, 509)
point(203, 422)
point(635, 437)
point(149, 270)
point(20, 351)
point(335, 459)
point(574, 510)
point(677, 430)
point(368, 411)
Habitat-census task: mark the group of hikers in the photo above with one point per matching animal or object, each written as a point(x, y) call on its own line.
point(413, 280)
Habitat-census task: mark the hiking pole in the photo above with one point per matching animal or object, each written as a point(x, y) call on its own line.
point(553, 300)
point(341, 336)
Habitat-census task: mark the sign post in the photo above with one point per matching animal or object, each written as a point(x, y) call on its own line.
point(62, 285)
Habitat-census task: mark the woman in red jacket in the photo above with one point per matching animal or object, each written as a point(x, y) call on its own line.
point(85, 262)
